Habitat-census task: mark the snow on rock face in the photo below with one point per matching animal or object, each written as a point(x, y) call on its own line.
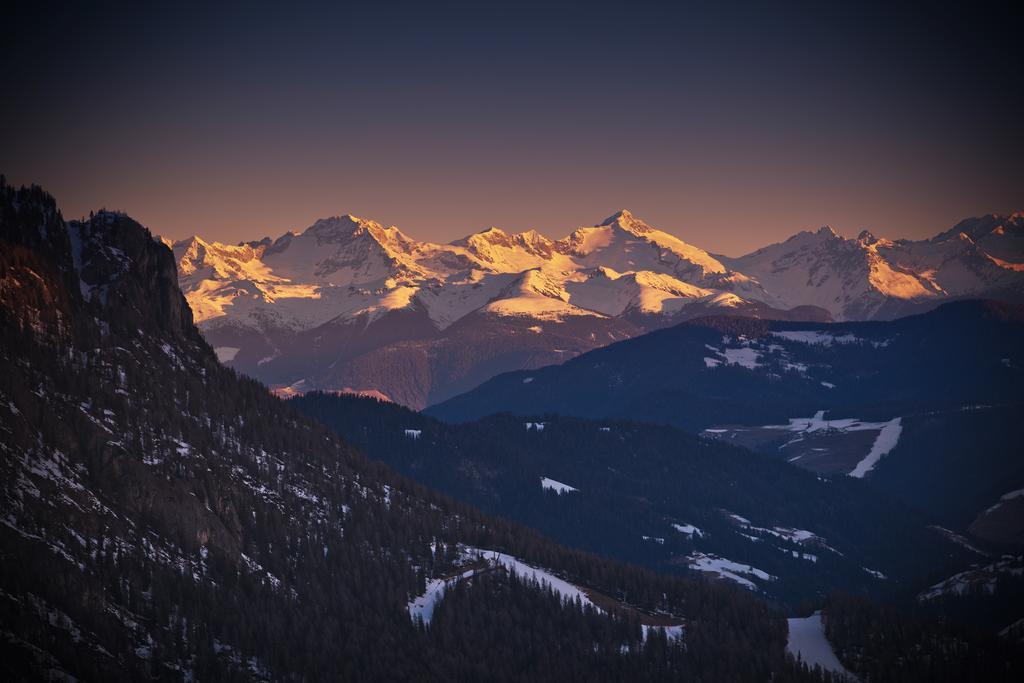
point(613, 293)
point(977, 578)
point(508, 253)
point(556, 486)
point(856, 278)
point(807, 639)
point(688, 529)
point(850, 278)
point(626, 243)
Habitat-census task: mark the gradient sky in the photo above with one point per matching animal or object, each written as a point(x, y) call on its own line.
point(731, 125)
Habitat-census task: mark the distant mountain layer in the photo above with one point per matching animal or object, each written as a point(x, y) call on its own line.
point(734, 371)
point(348, 304)
point(928, 407)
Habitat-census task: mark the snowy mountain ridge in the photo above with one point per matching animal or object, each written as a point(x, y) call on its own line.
point(877, 278)
point(349, 303)
point(350, 265)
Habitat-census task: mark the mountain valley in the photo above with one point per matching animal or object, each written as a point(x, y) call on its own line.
point(166, 517)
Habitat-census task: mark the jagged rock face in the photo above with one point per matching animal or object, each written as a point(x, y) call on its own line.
point(122, 267)
point(108, 263)
point(78, 289)
point(37, 288)
point(29, 218)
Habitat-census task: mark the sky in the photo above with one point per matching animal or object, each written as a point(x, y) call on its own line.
point(731, 125)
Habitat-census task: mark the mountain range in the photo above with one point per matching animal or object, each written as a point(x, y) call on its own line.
point(349, 305)
point(164, 517)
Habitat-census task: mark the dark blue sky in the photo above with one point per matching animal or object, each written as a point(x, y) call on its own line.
point(728, 124)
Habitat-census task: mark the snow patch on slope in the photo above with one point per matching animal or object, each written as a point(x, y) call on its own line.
point(887, 439)
point(807, 640)
point(727, 569)
point(558, 487)
point(980, 578)
point(744, 356)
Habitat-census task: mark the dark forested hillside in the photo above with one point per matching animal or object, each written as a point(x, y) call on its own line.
point(883, 645)
point(957, 463)
point(164, 518)
point(738, 371)
point(639, 490)
point(927, 408)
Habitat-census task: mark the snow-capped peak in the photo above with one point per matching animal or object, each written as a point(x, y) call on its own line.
point(346, 222)
point(981, 227)
point(627, 244)
point(339, 229)
point(828, 231)
point(197, 258)
point(626, 221)
point(621, 214)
